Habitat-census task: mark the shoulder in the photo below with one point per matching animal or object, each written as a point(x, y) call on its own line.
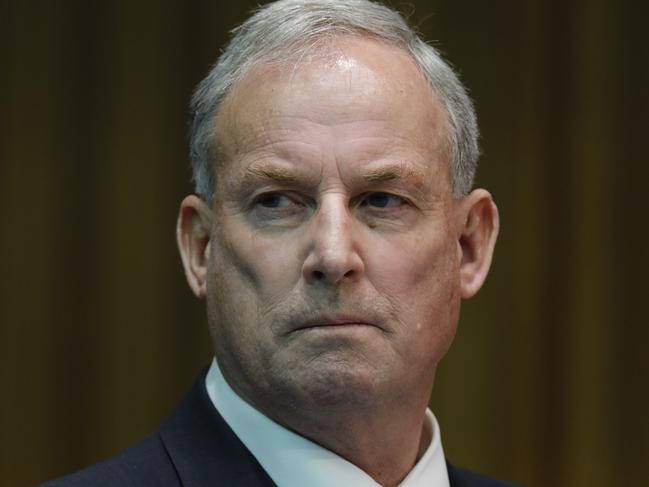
point(193, 447)
point(145, 464)
point(460, 477)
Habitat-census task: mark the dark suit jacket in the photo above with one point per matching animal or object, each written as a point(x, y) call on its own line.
point(196, 448)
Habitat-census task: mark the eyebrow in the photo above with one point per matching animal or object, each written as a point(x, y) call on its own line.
point(272, 173)
point(395, 172)
point(392, 172)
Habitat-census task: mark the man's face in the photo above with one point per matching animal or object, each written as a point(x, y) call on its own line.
point(333, 261)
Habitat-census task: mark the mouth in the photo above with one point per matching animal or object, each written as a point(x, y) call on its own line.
point(333, 322)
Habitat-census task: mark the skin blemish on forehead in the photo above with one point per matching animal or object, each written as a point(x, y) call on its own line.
point(345, 62)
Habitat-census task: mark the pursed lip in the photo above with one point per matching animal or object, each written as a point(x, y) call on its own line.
point(332, 320)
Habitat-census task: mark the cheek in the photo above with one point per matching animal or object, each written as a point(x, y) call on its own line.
point(262, 265)
point(422, 283)
point(419, 266)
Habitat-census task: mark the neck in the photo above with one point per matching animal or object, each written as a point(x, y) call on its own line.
point(385, 443)
point(380, 430)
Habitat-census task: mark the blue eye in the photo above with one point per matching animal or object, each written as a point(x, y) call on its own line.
point(383, 200)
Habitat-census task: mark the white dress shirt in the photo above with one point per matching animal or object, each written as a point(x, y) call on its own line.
point(294, 461)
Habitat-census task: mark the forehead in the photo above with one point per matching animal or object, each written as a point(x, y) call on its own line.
point(346, 83)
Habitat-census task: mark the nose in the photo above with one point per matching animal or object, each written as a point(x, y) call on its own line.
point(333, 255)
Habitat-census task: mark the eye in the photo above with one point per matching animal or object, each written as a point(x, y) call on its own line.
point(382, 200)
point(278, 208)
point(275, 200)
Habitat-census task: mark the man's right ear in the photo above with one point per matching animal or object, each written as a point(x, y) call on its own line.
point(193, 237)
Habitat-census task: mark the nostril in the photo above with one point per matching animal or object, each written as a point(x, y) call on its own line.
point(349, 273)
point(318, 275)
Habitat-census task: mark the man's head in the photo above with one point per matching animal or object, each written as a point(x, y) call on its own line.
point(340, 235)
point(288, 31)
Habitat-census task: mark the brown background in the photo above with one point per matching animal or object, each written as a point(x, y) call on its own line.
point(547, 383)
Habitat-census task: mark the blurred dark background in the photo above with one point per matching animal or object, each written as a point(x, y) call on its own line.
point(547, 383)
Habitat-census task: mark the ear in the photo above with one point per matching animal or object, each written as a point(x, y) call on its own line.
point(478, 228)
point(193, 237)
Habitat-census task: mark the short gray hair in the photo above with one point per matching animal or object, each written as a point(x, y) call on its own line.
point(286, 28)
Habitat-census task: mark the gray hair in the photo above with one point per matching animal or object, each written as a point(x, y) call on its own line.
point(288, 28)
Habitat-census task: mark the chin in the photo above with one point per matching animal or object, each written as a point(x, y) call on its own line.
point(332, 382)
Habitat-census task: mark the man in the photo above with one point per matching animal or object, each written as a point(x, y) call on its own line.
point(333, 234)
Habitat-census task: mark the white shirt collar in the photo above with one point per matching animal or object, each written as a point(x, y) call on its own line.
point(294, 461)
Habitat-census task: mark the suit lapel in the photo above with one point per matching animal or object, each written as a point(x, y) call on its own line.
point(204, 450)
point(206, 453)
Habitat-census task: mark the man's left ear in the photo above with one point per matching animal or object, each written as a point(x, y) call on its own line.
point(478, 228)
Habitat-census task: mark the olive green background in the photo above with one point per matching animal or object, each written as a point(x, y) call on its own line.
point(547, 383)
